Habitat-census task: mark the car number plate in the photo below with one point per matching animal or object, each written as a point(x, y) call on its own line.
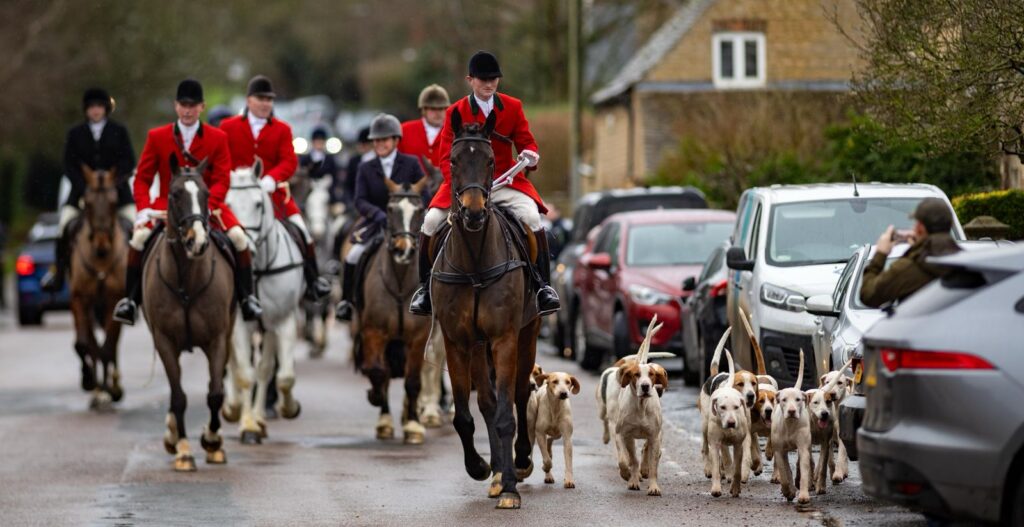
point(857, 375)
point(872, 376)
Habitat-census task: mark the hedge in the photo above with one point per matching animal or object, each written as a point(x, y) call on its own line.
point(1006, 206)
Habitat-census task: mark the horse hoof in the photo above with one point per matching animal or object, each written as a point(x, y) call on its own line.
point(250, 437)
point(413, 438)
point(495, 489)
point(432, 421)
point(523, 473)
point(263, 429)
point(478, 471)
point(509, 500)
point(270, 413)
point(289, 414)
point(231, 413)
point(211, 446)
point(169, 446)
point(217, 457)
point(385, 432)
point(185, 464)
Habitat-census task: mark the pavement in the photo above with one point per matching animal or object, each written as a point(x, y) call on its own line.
point(67, 465)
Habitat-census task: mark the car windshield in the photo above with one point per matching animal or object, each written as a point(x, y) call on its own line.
point(822, 232)
point(674, 243)
point(593, 215)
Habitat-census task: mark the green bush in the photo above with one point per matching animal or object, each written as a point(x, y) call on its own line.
point(1006, 206)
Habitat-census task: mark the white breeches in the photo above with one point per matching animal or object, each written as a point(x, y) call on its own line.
point(141, 235)
point(520, 205)
point(68, 213)
point(297, 220)
point(355, 253)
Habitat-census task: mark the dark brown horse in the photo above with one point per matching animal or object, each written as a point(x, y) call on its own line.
point(97, 280)
point(479, 288)
point(188, 292)
point(390, 340)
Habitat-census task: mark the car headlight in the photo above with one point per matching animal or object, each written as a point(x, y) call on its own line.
point(782, 298)
point(646, 296)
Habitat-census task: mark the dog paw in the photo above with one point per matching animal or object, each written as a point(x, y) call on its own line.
point(624, 471)
point(757, 471)
point(653, 490)
point(717, 493)
point(549, 479)
point(634, 485)
point(804, 498)
point(707, 473)
point(569, 484)
point(774, 480)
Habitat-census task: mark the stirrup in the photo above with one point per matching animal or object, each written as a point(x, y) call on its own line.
point(547, 301)
point(251, 308)
point(318, 289)
point(343, 311)
point(420, 303)
point(125, 311)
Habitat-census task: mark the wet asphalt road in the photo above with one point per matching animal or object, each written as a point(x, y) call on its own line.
point(66, 465)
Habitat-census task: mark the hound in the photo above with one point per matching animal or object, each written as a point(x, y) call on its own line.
point(761, 413)
point(550, 418)
point(630, 406)
point(822, 406)
point(791, 430)
point(843, 387)
point(744, 381)
point(726, 423)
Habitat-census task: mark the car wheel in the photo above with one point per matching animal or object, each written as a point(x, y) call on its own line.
point(589, 356)
point(707, 351)
point(30, 316)
point(620, 335)
point(691, 371)
point(1015, 507)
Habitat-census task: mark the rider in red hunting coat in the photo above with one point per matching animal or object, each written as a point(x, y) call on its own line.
point(258, 133)
point(520, 197)
point(421, 137)
point(190, 142)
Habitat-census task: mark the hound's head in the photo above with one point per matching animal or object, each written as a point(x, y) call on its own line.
point(560, 385)
point(644, 380)
point(537, 377)
point(822, 407)
point(746, 383)
point(765, 404)
point(843, 385)
point(727, 406)
point(790, 403)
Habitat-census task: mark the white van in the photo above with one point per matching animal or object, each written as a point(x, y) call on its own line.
point(791, 242)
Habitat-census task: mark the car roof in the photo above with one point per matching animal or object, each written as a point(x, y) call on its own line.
point(594, 197)
point(998, 258)
point(643, 217)
point(826, 191)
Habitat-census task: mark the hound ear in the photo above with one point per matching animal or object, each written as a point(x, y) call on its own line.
point(201, 167)
point(829, 397)
point(173, 162)
point(456, 122)
point(575, 384)
point(257, 168)
point(808, 394)
point(821, 380)
point(489, 123)
point(625, 376)
point(714, 407)
point(540, 378)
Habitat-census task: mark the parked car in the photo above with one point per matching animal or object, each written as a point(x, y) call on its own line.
point(590, 211)
point(843, 319)
point(635, 270)
point(790, 243)
point(944, 427)
point(703, 315)
point(34, 260)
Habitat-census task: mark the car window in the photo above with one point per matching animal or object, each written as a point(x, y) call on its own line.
point(581, 219)
point(674, 243)
point(755, 234)
point(713, 263)
point(739, 236)
point(839, 294)
point(613, 245)
point(609, 205)
point(604, 238)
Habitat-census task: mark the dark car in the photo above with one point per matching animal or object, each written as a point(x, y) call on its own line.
point(590, 211)
point(703, 315)
point(634, 271)
point(34, 260)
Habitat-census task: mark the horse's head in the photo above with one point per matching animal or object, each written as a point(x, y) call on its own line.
point(188, 211)
point(249, 202)
point(472, 169)
point(100, 209)
point(405, 218)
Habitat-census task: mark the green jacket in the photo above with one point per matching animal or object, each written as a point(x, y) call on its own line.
point(906, 275)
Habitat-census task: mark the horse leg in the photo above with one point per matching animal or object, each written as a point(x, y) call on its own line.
point(525, 359)
point(211, 439)
point(111, 373)
point(430, 384)
point(240, 373)
point(264, 372)
point(84, 342)
point(482, 368)
point(505, 349)
point(372, 363)
point(412, 430)
point(459, 370)
point(286, 334)
point(175, 439)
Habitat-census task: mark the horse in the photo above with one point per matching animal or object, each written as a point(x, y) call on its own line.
point(188, 298)
point(388, 341)
point(97, 275)
point(316, 211)
point(277, 267)
point(483, 306)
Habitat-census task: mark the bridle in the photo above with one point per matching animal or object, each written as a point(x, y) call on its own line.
point(412, 236)
point(255, 233)
point(181, 225)
point(485, 188)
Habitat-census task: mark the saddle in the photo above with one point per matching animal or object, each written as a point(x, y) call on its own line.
point(296, 233)
point(218, 239)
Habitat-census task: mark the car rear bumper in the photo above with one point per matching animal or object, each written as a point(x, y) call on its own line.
point(851, 414)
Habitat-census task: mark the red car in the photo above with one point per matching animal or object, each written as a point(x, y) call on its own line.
point(633, 269)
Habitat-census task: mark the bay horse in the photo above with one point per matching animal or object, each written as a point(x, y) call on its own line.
point(98, 256)
point(485, 312)
point(388, 341)
point(188, 301)
point(277, 266)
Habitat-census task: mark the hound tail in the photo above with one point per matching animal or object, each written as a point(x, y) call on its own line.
point(652, 355)
point(732, 369)
point(645, 346)
point(718, 351)
point(835, 380)
point(800, 376)
point(758, 355)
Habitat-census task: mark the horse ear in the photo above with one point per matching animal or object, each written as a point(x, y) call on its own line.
point(257, 167)
point(489, 123)
point(89, 175)
point(173, 162)
point(201, 167)
point(456, 122)
point(393, 187)
point(420, 185)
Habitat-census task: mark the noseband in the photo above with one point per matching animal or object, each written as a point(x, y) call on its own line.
point(484, 188)
point(413, 236)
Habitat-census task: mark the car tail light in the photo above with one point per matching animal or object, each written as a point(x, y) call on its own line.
point(909, 488)
point(25, 265)
point(719, 289)
point(896, 359)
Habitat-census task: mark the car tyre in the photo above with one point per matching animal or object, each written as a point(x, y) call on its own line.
point(30, 316)
point(589, 356)
point(1015, 506)
point(620, 335)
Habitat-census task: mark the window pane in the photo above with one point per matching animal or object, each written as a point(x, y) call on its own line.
point(725, 55)
point(750, 58)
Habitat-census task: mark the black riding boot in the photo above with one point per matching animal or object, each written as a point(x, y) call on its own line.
point(420, 303)
point(53, 281)
point(547, 298)
point(343, 311)
point(249, 304)
point(126, 308)
point(317, 286)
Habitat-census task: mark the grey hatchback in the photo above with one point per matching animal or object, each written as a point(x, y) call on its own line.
point(944, 426)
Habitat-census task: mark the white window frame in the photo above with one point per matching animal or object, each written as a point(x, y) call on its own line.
point(740, 80)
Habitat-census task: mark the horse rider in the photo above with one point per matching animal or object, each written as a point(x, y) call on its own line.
point(190, 141)
point(372, 197)
point(101, 144)
point(520, 197)
point(258, 133)
point(320, 163)
point(421, 138)
point(364, 152)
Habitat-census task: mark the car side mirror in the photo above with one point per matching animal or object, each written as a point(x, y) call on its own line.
point(602, 261)
point(821, 305)
point(736, 259)
point(690, 283)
